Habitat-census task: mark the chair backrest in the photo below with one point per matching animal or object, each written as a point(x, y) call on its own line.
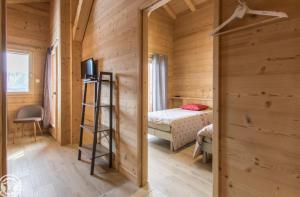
point(31, 111)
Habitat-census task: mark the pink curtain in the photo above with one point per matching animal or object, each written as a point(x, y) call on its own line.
point(47, 90)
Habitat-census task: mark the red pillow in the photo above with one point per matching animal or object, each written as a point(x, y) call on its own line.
point(194, 107)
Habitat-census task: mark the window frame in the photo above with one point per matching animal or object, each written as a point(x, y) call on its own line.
point(31, 74)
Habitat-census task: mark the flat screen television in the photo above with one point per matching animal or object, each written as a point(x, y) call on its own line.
point(88, 69)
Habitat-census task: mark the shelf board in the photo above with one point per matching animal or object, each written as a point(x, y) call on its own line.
point(94, 105)
point(88, 150)
point(90, 128)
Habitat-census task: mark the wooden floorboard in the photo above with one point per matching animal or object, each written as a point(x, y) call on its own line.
point(50, 170)
point(177, 174)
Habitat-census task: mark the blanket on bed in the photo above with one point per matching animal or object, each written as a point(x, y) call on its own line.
point(207, 131)
point(184, 123)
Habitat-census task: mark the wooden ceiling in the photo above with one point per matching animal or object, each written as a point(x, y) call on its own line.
point(175, 7)
point(26, 1)
point(34, 7)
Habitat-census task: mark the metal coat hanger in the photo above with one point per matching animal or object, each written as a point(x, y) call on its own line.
point(241, 11)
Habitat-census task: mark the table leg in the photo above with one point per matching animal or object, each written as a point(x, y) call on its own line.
point(34, 127)
point(39, 125)
point(22, 129)
point(14, 133)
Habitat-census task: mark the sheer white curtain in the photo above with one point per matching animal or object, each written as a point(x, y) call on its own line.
point(159, 82)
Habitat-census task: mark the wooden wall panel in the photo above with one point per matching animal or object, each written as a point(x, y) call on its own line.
point(113, 38)
point(193, 53)
point(28, 24)
point(64, 76)
point(76, 89)
point(28, 33)
point(3, 164)
point(260, 77)
point(60, 34)
point(54, 21)
point(160, 32)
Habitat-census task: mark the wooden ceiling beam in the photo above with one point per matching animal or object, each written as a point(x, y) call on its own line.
point(157, 5)
point(81, 19)
point(190, 4)
point(26, 1)
point(169, 10)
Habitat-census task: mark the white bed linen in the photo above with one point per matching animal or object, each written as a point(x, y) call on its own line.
point(184, 123)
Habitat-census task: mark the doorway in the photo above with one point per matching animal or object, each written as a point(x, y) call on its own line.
point(178, 100)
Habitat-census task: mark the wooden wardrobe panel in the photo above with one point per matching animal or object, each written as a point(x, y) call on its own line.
point(260, 104)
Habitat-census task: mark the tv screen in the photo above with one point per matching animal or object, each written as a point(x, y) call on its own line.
point(88, 69)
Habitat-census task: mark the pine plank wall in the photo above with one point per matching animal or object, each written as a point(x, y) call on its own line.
point(260, 104)
point(112, 38)
point(61, 19)
point(117, 49)
point(2, 88)
point(28, 31)
point(259, 108)
point(189, 47)
point(161, 41)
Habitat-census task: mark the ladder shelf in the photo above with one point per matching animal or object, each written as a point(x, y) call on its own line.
point(96, 150)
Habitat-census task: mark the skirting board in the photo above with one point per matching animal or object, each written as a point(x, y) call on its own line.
point(128, 175)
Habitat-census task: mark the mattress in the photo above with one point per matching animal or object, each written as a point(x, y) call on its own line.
point(183, 125)
point(165, 118)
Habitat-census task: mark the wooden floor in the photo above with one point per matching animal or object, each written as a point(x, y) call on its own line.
point(49, 170)
point(177, 174)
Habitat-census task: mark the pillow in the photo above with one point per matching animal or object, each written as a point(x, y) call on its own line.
point(194, 107)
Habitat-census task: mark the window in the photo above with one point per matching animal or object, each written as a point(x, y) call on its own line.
point(18, 72)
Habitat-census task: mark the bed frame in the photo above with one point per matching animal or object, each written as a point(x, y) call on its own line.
point(207, 150)
point(177, 102)
point(161, 134)
point(206, 145)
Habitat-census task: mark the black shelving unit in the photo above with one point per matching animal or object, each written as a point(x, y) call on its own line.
point(96, 150)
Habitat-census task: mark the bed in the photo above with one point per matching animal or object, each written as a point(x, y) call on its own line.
point(177, 125)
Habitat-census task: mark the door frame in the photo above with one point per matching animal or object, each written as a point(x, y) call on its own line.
point(146, 10)
point(3, 116)
point(54, 51)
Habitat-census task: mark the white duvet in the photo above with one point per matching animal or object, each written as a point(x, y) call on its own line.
point(170, 115)
point(184, 123)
